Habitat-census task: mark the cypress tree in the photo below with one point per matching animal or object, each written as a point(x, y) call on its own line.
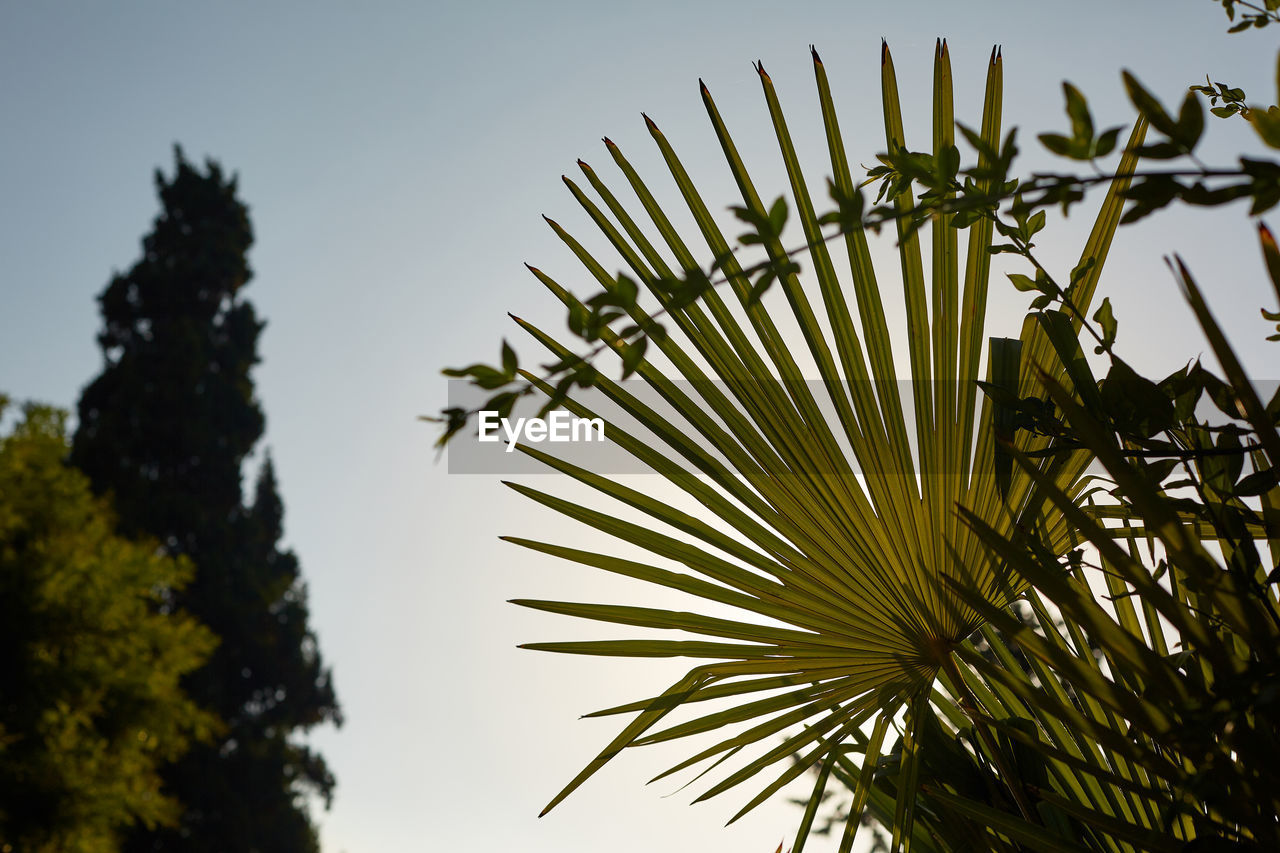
point(165, 429)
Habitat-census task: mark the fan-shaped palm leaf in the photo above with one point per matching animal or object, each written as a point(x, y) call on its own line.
point(839, 532)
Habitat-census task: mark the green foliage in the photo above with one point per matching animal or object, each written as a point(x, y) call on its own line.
point(1173, 681)
point(1233, 99)
point(852, 581)
point(939, 183)
point(1034, 714)
point(1082, 144)
point(1254, 16)
point(166, 428)
point(91, 706)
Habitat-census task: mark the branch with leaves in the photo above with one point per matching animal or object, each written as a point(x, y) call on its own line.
point(938, 186)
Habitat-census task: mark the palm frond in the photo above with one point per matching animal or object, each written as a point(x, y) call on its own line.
point(838, 533)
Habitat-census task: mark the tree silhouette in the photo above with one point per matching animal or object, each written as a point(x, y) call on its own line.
point(165, 428)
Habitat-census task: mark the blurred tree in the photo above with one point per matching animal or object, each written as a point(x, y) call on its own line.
point(165, 429)
point(91, 653)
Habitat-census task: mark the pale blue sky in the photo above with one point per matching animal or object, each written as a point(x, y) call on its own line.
point(396, 158)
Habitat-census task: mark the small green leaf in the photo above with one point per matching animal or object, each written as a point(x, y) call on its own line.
point(632, 355)
point(1149, 107)
point(502, 403)
point(1160, 151)
point(1257, 483)
point(1107, 320)
point(578, 316)
point(1078, 112)
point(1266, 123)
point(1135, 405)
point(627, 291)
point(778, 215)
point(1190, 122)
point(1107, 142)
point(510, 364)
point(761, 285)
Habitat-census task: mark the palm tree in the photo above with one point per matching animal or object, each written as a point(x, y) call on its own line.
point(866, 599)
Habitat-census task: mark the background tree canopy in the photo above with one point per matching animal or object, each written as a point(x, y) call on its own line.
point(91, 705)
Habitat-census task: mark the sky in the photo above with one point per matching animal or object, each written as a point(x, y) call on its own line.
point(396, 159)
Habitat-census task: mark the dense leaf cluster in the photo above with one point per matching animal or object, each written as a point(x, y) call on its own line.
point(91, 704)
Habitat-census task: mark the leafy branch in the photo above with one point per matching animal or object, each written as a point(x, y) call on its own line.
point(938, 186)
point(1255, 17)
